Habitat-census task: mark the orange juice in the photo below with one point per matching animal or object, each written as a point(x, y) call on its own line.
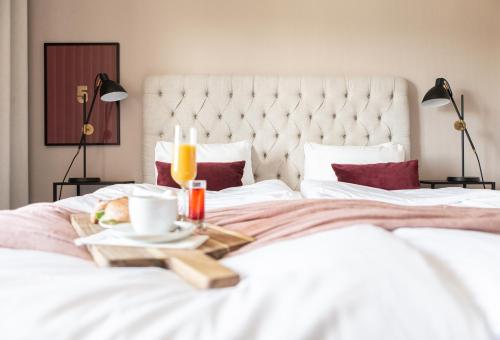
point(183, 168)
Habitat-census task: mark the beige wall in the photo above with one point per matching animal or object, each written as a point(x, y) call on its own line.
point(418, 40)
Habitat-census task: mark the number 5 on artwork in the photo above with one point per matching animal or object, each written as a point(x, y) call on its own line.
point(81, 90)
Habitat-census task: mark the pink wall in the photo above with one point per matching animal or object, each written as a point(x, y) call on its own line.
point(418, 40)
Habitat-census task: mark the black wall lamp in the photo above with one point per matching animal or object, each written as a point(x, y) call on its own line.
point(441, 95)
point(109, 91)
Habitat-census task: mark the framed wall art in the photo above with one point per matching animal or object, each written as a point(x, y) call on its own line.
point(70, 71)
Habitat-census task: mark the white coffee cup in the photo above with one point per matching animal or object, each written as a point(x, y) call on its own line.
point(152, 215)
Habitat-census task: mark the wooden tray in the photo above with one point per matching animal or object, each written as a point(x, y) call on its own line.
point(197, 267)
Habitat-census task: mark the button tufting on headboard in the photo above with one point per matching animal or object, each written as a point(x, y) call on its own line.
point(279, 114)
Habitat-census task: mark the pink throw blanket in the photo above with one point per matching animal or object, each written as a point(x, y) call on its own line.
point(46, 226)
point(272, 221)
point(41, 226)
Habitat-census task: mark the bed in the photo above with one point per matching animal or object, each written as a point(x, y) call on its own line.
point(356, 282)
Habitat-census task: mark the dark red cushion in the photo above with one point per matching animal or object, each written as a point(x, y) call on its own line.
point(389, 176)
point(218, 175)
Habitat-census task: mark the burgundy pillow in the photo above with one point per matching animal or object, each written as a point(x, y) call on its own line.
point(389, 176)
point(218, 175)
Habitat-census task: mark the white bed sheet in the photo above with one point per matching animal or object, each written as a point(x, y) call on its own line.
point(358, 282)
point(268, 190)
point(472, 259)
point(450, 196)
point(373, 286)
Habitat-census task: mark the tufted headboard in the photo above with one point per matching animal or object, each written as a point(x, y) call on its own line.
point(279, 114)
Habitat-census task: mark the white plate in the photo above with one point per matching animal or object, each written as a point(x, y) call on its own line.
point(114, 225)
point(126, 230)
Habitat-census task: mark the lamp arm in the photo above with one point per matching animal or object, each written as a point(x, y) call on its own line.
point(461, 117)
point(456, 107)
point(87, 119)
point(97, 84)
point(470, 140)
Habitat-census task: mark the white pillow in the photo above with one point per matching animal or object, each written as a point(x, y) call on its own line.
point(230, 152)
point(318, 158)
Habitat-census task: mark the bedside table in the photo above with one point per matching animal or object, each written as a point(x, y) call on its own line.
point(434, 182)
point(78, 185)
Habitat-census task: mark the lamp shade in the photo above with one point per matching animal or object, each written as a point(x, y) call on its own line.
point(437, 95)
point(110, 90)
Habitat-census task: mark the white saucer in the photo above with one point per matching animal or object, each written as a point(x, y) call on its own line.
point(126, 230)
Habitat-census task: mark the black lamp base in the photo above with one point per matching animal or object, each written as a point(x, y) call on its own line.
point(463, 179)
point(84, 179)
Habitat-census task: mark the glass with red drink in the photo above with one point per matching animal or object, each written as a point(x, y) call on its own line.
point(196, 210)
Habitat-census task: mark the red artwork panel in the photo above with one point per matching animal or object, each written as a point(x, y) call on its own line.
point(70, 70)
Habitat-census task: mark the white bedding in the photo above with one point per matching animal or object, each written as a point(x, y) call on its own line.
point(472, 259)
point(359, 282)
point(450, 196)
point(262, 191)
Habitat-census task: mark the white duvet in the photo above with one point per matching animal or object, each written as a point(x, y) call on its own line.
point(359, 282)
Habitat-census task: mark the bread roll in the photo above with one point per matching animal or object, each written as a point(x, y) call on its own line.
point(112, 211)
point(117, 210)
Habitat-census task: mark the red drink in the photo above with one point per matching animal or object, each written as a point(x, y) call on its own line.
point(197, 201)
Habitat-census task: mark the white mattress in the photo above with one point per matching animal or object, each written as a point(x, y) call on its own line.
point(358, 282)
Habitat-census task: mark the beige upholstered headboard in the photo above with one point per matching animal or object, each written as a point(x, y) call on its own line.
point(279, 114)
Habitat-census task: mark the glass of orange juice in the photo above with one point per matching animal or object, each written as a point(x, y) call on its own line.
point(183, 167)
